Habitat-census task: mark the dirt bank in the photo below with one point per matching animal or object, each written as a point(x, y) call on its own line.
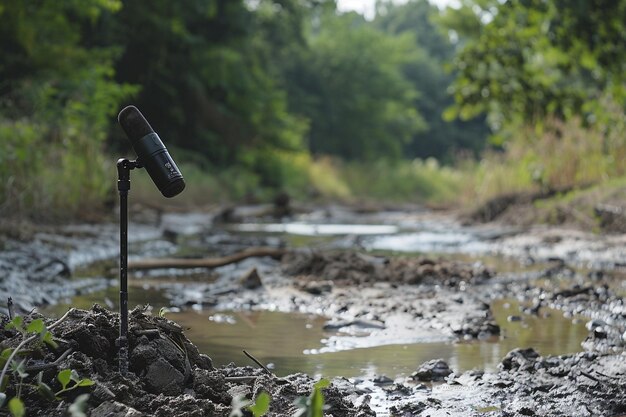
point(168, 376)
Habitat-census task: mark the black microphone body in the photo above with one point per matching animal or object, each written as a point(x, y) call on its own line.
point(151, 153)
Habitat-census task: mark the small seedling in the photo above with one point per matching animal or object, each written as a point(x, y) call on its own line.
point(261, 405)
point(258, 409)
point(36, 331)
point(69, 375)
point(313, 405)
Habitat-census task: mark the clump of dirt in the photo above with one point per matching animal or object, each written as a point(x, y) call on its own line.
point(167, 375)
point(353, 268)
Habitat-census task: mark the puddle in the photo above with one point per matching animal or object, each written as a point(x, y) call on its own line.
point(289, 342)
point(428, 242)
point(311, 229)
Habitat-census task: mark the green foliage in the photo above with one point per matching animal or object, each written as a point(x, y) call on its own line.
point(442, 139)
point(535, 59)
point(36, 331)
point(350, 85)
point(261, 406)
point(258, 408)
point(313, 405)
point(70, 376)
point(16, 407)
point(557, 156)
point(56, 97)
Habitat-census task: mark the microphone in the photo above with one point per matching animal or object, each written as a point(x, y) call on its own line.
point(151, 153)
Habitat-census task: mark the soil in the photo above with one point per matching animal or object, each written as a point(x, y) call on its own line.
point(369, 300)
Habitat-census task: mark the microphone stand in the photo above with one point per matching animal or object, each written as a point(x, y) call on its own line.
point(124, 166)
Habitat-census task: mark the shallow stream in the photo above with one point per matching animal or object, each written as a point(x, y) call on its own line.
point(290, 342)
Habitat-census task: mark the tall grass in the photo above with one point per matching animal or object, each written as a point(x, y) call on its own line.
point(557, 155)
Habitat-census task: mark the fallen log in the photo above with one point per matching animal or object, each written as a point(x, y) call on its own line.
point(205, 262)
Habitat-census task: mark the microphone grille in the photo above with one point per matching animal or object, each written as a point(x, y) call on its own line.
point(133, 123)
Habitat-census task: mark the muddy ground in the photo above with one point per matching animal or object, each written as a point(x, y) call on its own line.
point(369, 299)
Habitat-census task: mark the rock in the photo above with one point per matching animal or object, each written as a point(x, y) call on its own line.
point(115, 409)
point(361, 324)
point(595, 323)
point(382, 379)
point(518, 358)
point(251, 280)
point(317, 287)
point(162, 377)
point(434, 370)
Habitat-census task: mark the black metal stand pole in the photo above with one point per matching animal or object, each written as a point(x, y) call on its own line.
point(123, 185)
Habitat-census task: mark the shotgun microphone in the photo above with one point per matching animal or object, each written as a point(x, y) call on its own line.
point(151, 153)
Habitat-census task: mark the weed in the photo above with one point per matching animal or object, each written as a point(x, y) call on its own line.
point(37, 332)
point(313, 405)
point(258, 409)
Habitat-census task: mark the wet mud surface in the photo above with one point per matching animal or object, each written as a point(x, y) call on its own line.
point(369, 299)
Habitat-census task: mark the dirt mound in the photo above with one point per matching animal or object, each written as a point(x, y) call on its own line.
point(352, 268)
point(167, 375)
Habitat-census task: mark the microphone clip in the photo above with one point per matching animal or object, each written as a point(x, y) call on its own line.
point(124, 166)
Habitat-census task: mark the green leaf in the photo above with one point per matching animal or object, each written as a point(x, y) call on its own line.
point(64, 377)
point(321, 384)
point(47, 339)
point(19, 368)
point(317, 398)
point(16, 323)
point(4, 356)
point(85, 383)
point(16, 407)
point(261, 405)
point(36, 326)
point(45, 391)
point(3, 398)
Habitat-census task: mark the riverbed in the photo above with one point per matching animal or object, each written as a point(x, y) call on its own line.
point(363, 296)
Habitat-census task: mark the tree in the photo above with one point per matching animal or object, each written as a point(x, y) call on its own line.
point(533, 58)
point(57, 95)
point(351, 87)
point(442, 138)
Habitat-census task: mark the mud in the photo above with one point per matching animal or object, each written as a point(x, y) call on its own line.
point(168, 376)
point(369, 299)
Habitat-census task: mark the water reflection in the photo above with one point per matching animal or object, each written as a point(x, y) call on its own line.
point(282, 339)
point(309, 229)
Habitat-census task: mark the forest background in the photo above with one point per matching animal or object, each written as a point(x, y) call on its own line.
point(253, 98)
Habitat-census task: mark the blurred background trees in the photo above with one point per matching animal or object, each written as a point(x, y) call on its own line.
point(256, 96)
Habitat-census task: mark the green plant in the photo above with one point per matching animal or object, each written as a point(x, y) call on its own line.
point(259, 408)
point(313, 405)
point(69, 375)
point(36, 331)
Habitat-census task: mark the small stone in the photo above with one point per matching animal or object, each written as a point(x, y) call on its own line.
point(593, 324)
point(382, 379)
point(434, 370)
point(162, 377)
point(251, 280)
point(317, 287)
point(518, 357)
